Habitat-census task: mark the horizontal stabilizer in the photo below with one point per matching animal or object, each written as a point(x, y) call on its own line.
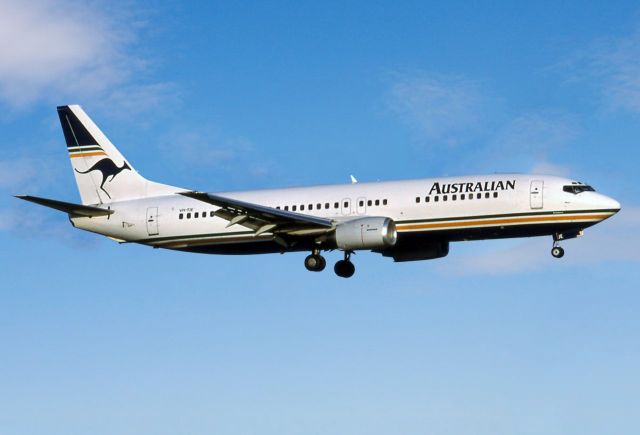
point(68, 207)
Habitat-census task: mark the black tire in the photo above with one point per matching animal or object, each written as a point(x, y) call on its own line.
point(344, 269)
point(350, 270)
point(315, 263)
point(323, 263)
point(557, 252)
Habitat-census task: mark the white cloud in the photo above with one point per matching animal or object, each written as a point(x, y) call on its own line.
point(613, 66)
point(59, 51)
point(132, 100)
point(201, 148)
point(444, 109)
point(29, 174)
point(206, 147)
point(16, 173)
point(536, 134)
point(615, 240)
point(452, 111)
point(42, 223)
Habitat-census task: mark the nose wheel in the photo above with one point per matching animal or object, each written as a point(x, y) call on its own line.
point(345, 268)
point(557, 250)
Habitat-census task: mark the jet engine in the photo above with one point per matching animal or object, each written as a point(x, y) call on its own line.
point(366, 233)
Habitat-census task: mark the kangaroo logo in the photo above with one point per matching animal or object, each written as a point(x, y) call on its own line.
point(108, 169)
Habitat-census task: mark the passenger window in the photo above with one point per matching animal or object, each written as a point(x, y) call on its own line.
point(454, 197)
point(436, 198)
point(180, 216)
point(286, 208)
point(195, 215)
point(293, 208)
point(318, 206)
point(462, 196)
point(212, 213)
point(336, 204)
point(495, 194)
point(277, 207)
point(384, 202)
point(346, 204)
point(487, 195)
point(377, 202)
point(471, 196)
point(302, 207)
point(444, 197)
point(326, 205)
point(188, 215)
point(479, 195)
point(361, 203)
point(369, 203)
point(417, 199)
point(310, 207)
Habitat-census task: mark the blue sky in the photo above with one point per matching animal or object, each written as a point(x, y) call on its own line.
point(497, 338)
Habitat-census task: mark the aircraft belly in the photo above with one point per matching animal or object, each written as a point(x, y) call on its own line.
point(491, 232)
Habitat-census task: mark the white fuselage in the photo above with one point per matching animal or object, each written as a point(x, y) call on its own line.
point(448, 209)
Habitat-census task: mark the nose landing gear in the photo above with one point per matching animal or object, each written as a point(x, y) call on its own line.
point(557, 250)
point(345, 268)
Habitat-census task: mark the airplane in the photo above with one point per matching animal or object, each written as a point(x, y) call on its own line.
point(405, 220)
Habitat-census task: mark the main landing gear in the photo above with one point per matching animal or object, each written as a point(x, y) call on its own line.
point(343, 268)
point(557, 250)
point(315, 262)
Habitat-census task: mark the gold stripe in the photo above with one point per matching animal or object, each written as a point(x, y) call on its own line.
point(207, 240)
point(502, 221)
point(81, 154)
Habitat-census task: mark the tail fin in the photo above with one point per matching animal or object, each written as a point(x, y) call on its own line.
point(102, 173)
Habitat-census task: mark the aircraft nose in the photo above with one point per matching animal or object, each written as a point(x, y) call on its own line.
point(610, 204)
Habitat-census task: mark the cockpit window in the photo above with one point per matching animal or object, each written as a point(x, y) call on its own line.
point(578, 188)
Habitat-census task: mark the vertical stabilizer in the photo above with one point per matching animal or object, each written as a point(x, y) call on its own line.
point(102, 173)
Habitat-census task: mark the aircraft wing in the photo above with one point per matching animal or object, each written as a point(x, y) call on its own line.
point(261, 218)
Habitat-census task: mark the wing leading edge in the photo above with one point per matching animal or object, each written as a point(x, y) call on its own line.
point(263, 219)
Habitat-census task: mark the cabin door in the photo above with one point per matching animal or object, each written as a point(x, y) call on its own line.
point(536, 194)
point(152, 221)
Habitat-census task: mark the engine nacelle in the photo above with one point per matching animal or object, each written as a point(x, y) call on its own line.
point(366, 233)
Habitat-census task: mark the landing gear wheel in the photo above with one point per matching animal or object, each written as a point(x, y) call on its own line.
point(315, 263)
point(557, 252)
point(344, 269)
